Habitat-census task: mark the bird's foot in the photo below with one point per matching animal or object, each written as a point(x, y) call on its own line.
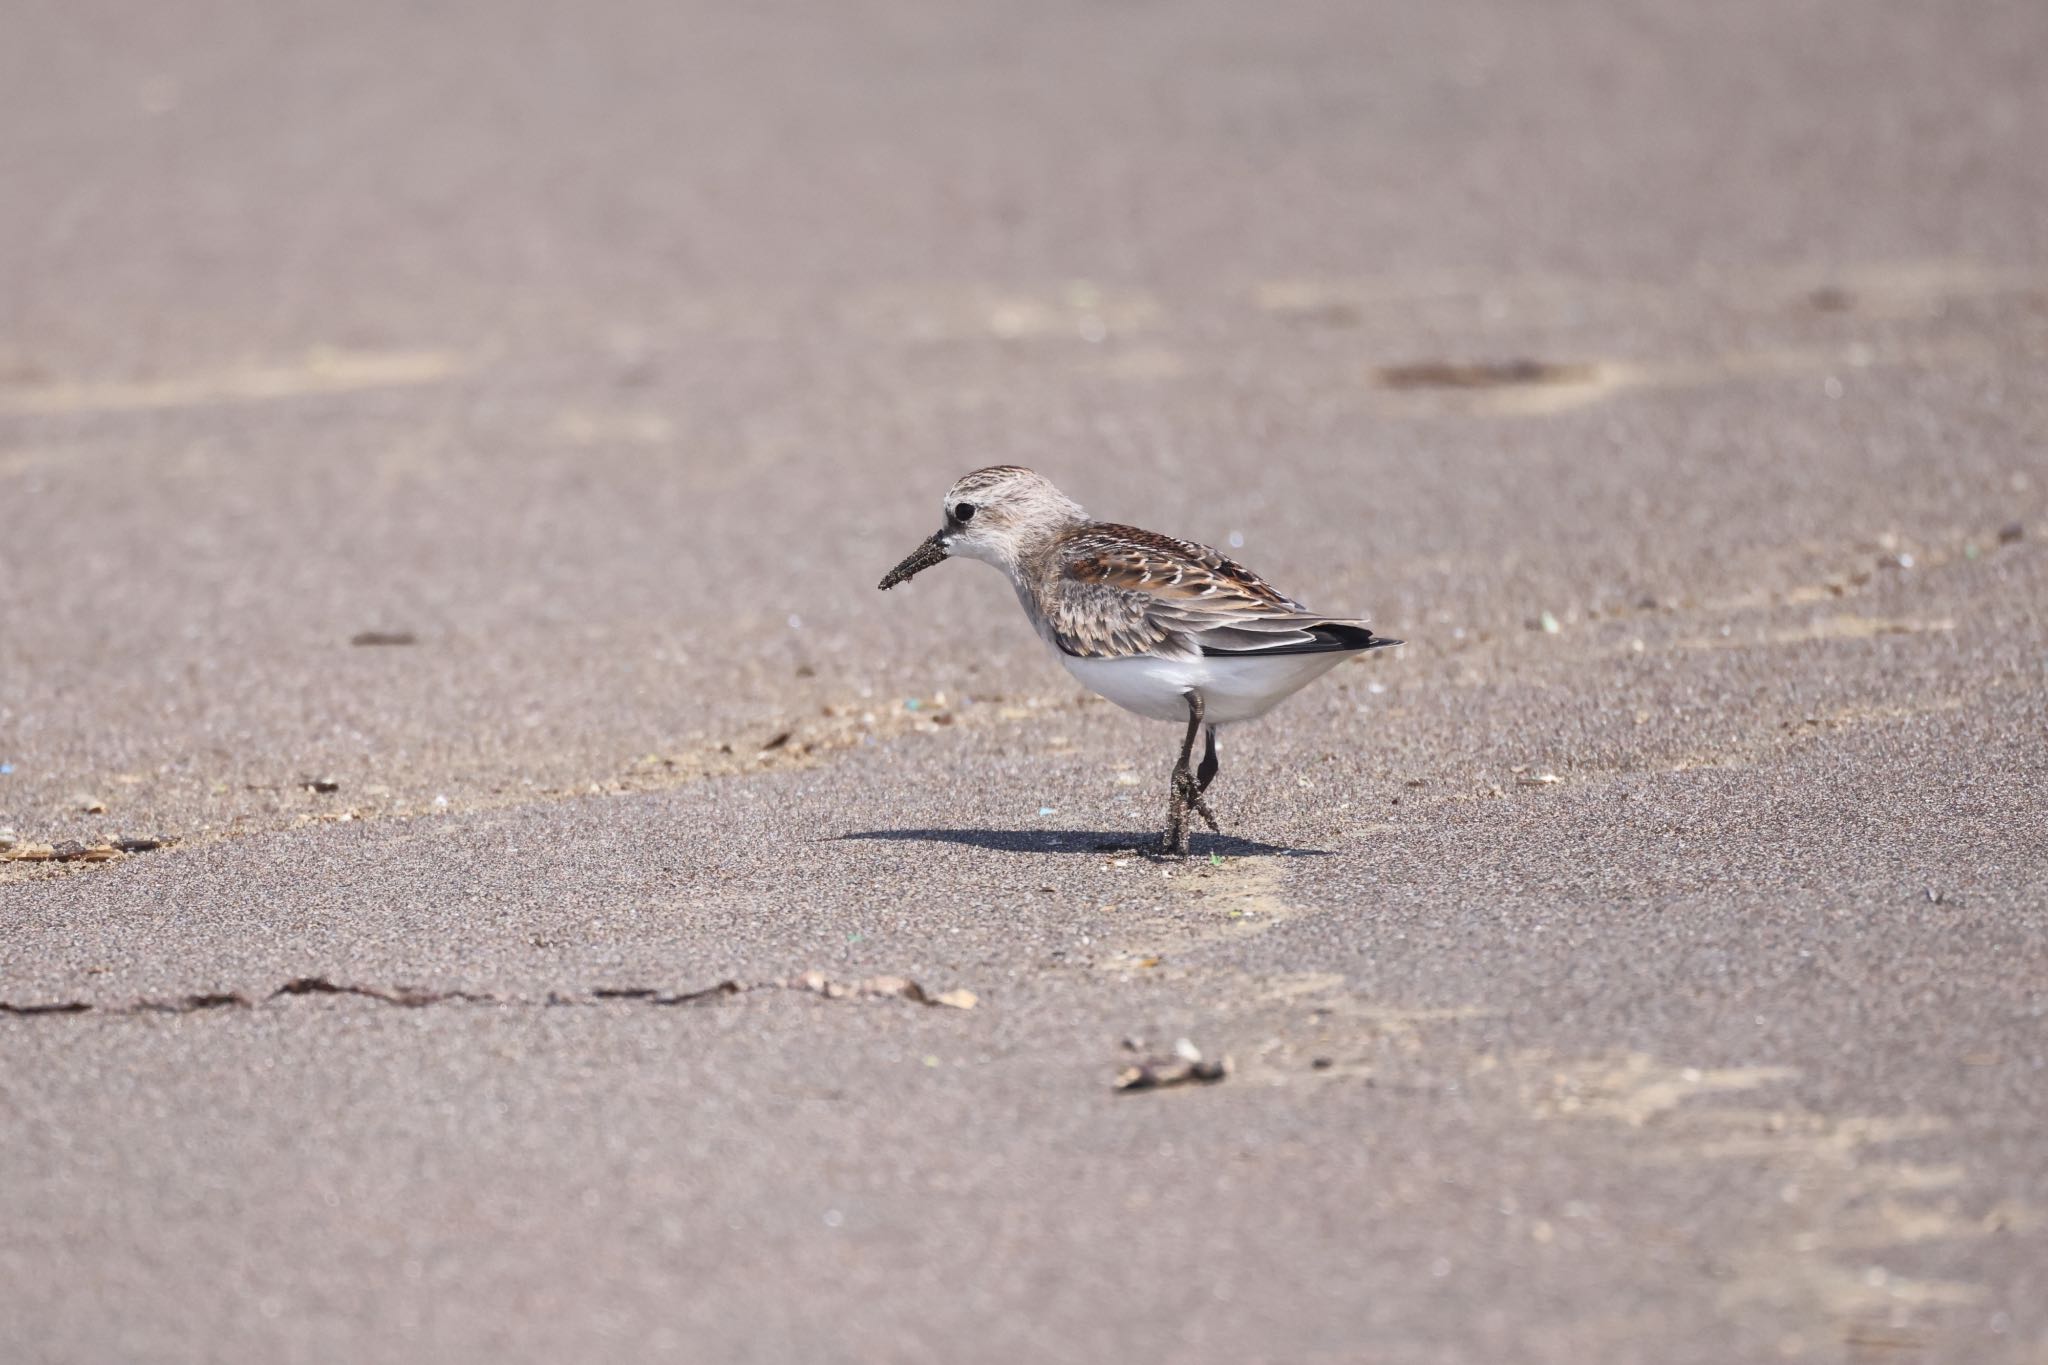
point(1185, 802)
point(1188, 797)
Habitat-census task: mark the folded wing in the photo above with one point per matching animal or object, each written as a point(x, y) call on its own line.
point(1121, 591)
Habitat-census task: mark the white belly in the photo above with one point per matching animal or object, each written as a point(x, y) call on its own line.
point(1232, 688)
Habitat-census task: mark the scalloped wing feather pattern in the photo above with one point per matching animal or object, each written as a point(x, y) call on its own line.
point(1120, 591)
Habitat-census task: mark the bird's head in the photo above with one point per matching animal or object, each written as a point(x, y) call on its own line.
point(994, 515)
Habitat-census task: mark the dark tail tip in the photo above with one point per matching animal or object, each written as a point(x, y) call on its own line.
point(1345, 636)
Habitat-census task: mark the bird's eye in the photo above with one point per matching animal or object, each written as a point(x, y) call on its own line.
point(964, 512)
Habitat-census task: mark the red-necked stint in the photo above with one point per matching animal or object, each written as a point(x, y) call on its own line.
point(1165, 628)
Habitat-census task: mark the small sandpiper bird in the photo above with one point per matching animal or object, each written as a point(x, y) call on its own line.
point(1162, 627)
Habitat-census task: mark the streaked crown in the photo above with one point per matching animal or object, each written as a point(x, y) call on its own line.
point(994, 513)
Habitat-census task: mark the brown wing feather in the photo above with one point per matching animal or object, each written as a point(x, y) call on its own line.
point(1145, 561)
point(1118, 591)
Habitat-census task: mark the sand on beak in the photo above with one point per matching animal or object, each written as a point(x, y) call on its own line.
point(928, 553)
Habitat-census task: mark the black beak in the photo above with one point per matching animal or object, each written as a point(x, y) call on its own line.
point(916, 562)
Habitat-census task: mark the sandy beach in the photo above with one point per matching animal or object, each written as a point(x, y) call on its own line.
point(485, 876)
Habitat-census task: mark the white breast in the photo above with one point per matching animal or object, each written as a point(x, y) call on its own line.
point(1233, 687)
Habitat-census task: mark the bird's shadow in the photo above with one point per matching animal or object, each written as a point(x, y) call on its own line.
point(1097, 842)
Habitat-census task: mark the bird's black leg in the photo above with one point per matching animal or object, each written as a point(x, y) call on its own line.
point(1175, 844)
point(1185, 795)
point(1199, 783)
